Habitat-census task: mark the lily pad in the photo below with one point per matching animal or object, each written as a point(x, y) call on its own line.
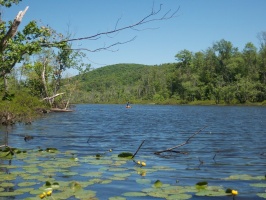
point(158, 184)
point(8, 177)
point(211, 191)
point(26, 184)
point(93, 174)
point(262, 195)
point(75, 186)
point(9, 194)
point(6, 184)
point(179, 197)
point(125, 155)
point(258, 185)
point(106, 181)
point(24, 190)
point(134, 194)
point(244, 177)
point(85, 194)
point(117, 169)
point(143, 181)
point(123, 175)
point(158, 194)
point(116, 198)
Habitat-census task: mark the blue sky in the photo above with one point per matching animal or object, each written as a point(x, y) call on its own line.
point(197, 26)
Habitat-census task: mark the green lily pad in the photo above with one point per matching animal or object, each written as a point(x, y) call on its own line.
point(262, 195)
point(173, 190)
point(116, 198)
point(9, 194)
point(24, 190)
point(119, 163)
point(244, 177)
point(70, 173)
point(123, 175)
point(134, 194)
point(75, 186)
point(117, 169)
point(202, 183)
point(179, 197)
point(158, 184)
point(100, 162)
point(92, 174)
point(258, 185)
point(51, 150)
point(106, 181)
point(125, 155)
point(143, 181)
point(163, 168)
point(85, 194)
point(116, 178)
point(8, 177)
point(6, 184)
point(211, 191)
point(26, 184)
point(158, 194)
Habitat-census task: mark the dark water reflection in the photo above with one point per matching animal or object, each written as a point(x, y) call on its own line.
point(234, 141)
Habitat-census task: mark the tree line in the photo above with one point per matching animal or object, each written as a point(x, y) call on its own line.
point(221, 74)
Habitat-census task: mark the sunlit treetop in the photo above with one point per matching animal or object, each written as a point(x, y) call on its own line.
point(8, 3)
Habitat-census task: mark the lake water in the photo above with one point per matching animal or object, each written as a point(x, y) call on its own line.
point(233, 143)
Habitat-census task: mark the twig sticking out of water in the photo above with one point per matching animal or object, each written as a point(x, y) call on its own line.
point(201, 162)
point(186, 142)
point(138, 149)
point(214, 157)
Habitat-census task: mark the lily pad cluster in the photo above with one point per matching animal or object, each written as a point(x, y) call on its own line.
point(50, 173)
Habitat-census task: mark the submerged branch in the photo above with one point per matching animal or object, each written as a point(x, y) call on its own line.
point(186, 142)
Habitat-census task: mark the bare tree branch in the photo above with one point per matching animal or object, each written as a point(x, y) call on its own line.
point(138, 149)
point(52, 97)
point(186, 142)
point(147, 19)
point(104, 47)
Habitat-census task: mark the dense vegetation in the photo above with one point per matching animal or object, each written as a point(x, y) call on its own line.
point(219, 75)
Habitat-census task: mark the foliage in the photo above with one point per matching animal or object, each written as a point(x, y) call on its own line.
point(221, 74)
point(8, 3)
point(20, 107)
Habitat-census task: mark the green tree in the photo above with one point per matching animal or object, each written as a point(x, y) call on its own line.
point(224, 51)
point(250, 57)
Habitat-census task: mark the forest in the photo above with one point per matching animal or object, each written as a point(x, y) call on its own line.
point(219, 75)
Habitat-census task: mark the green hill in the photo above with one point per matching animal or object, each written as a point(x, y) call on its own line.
point(120, 83)
point(196, 81)
point(112, 76)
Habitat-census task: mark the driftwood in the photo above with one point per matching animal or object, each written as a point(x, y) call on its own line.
point(60, 110)
point(186, 142)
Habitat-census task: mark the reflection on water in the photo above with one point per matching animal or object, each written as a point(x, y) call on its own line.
point(232, 143)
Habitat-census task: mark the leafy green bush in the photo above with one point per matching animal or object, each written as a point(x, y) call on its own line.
point(20, 107)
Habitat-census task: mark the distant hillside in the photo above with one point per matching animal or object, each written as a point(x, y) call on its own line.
point(196, 82)
point(118, 83)
point(112, 75)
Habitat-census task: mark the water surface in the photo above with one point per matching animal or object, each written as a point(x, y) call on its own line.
point(233, 142)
